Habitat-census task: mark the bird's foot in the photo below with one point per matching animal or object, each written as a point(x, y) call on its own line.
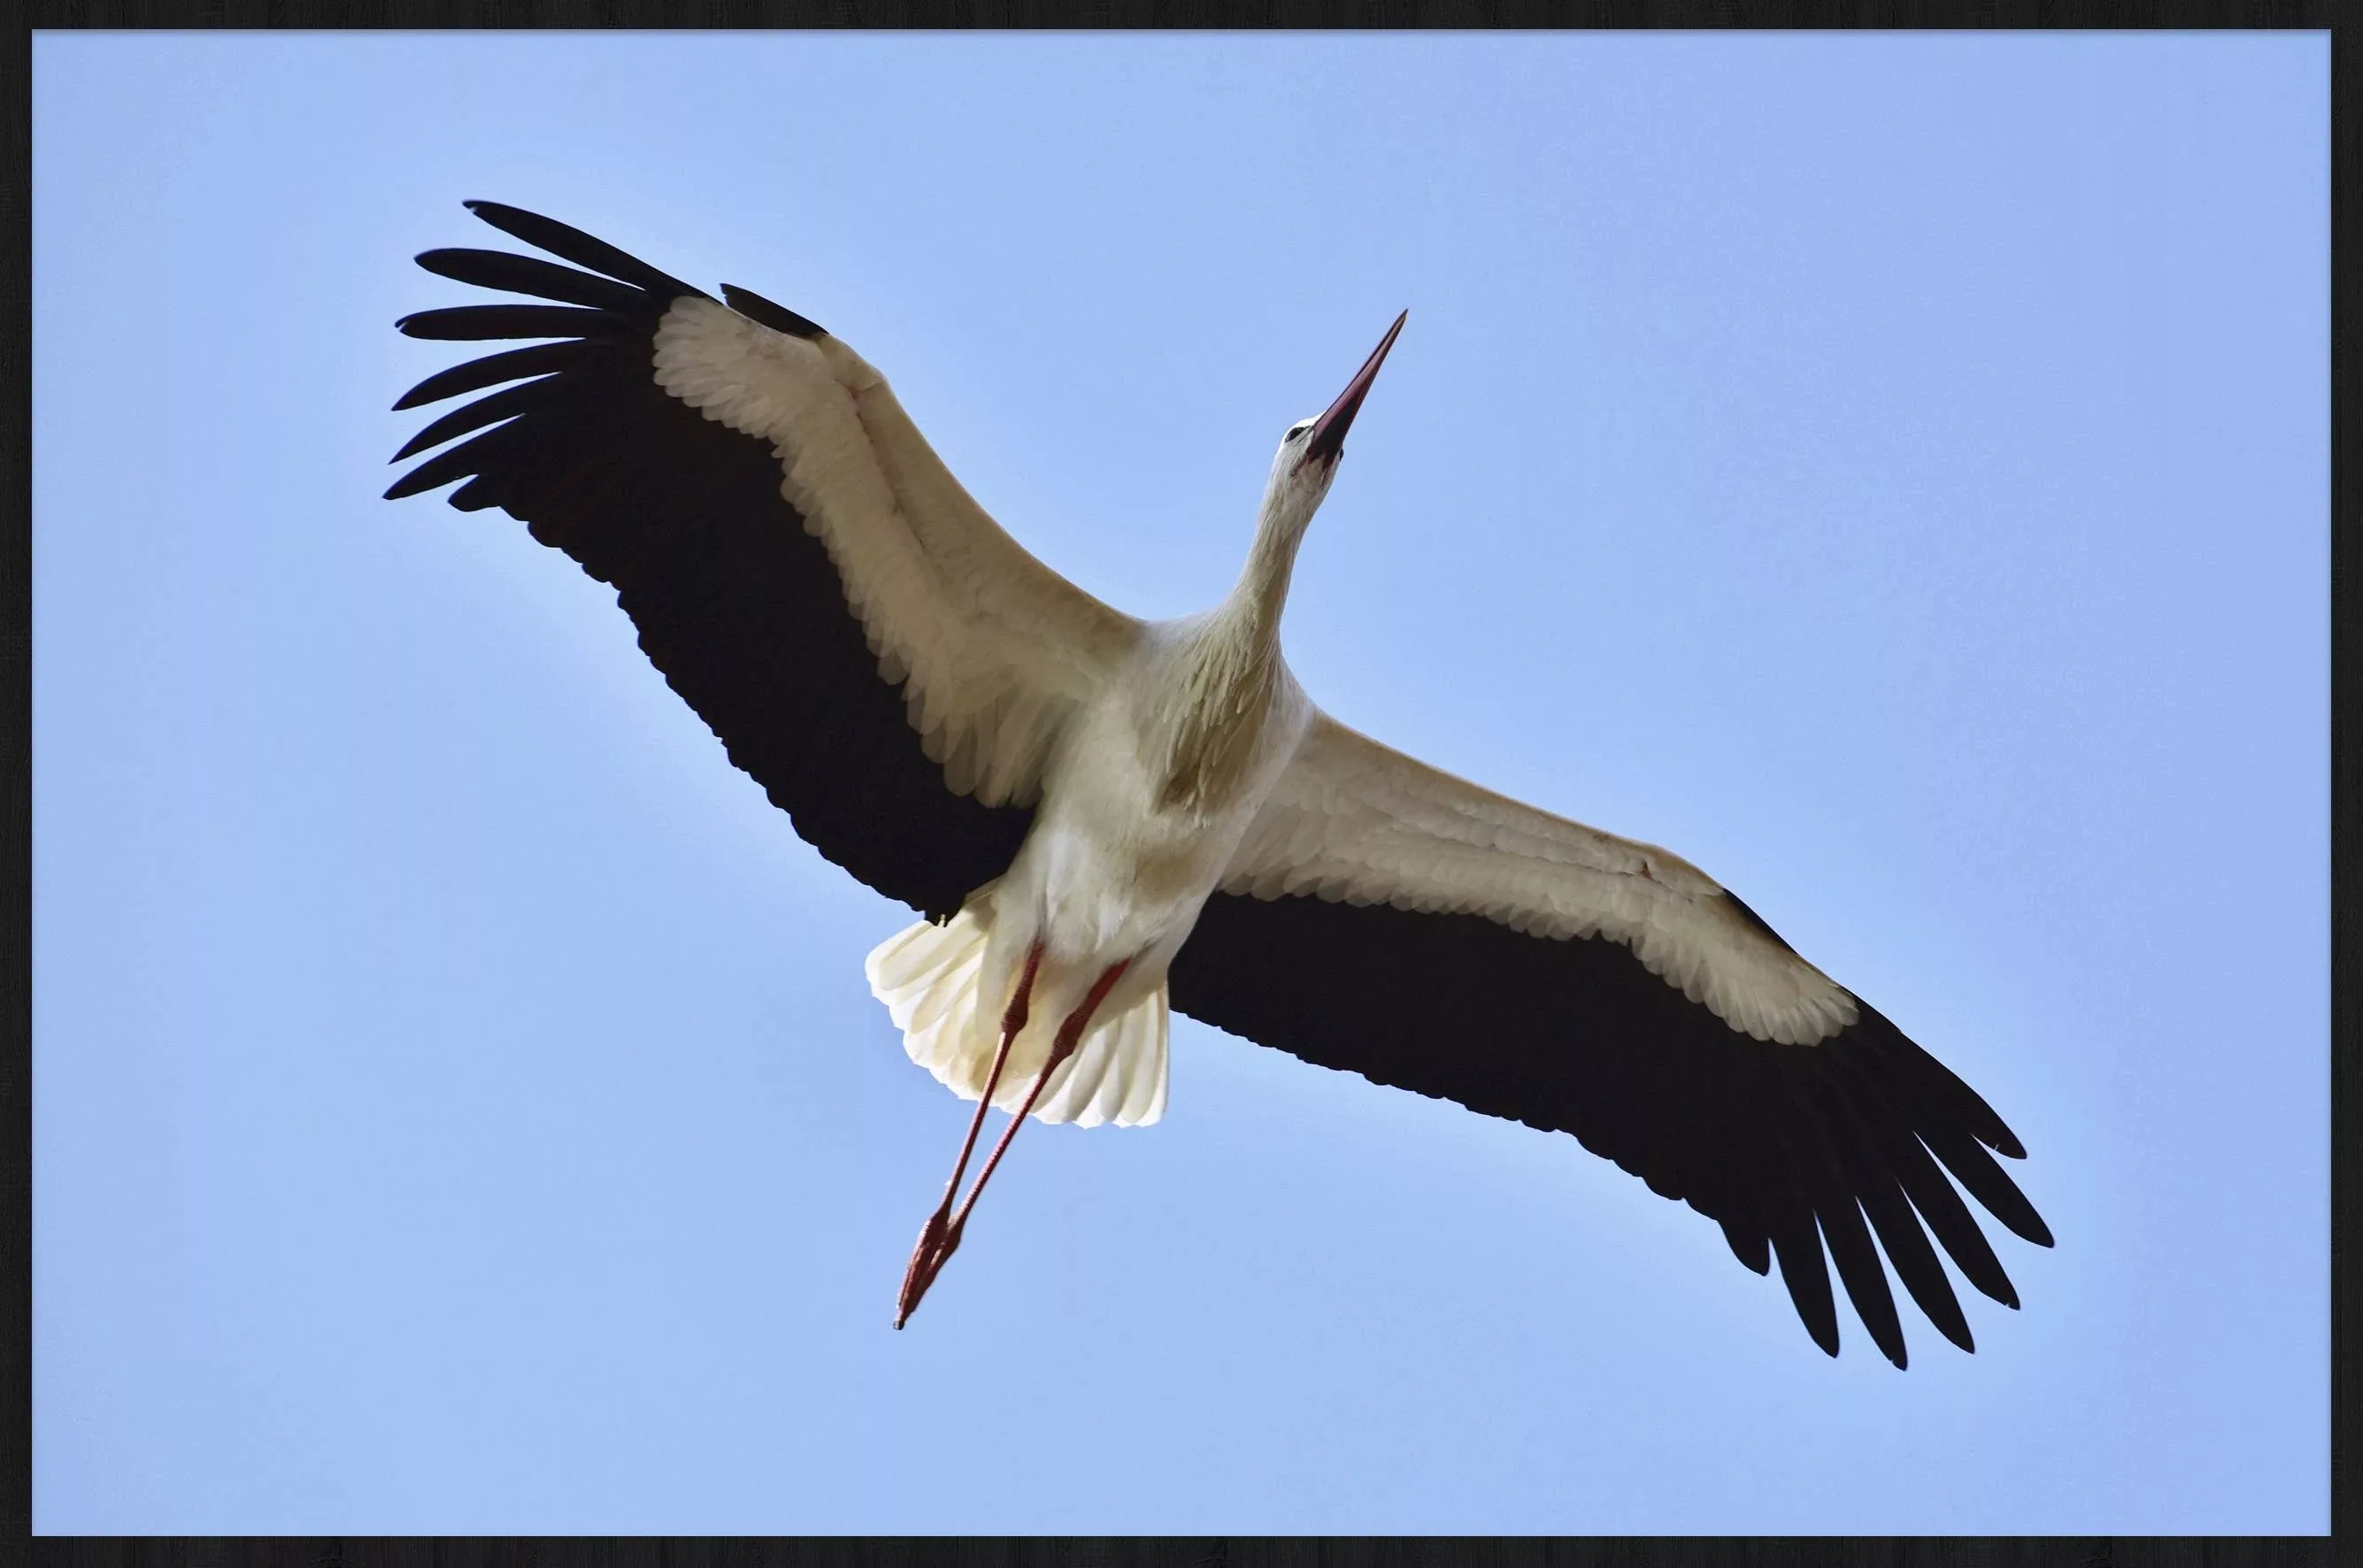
point(939, 1239)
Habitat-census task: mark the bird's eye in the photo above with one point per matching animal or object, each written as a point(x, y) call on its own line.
point(1296, 431)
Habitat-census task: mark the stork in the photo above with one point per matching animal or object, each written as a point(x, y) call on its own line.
point(1100, 819)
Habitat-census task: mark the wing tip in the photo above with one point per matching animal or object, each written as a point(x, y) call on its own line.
point(2007, 1147)
point(408, 485)
point(585, 250)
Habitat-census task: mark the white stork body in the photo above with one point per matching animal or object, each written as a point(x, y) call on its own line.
point(1096, 814)
point(1114, 870)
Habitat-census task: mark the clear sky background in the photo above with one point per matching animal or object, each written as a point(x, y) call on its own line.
point(1891, 471)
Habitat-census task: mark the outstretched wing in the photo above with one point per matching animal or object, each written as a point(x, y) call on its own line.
point(866, 642)
point(1387, 918)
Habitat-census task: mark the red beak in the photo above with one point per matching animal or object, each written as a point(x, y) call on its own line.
point(1327, 438)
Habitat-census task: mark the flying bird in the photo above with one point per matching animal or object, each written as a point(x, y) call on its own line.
point(1101, 819)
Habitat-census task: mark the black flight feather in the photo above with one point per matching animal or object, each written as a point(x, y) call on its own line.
point(510, 365)
point(531, 275)
point(462, 324)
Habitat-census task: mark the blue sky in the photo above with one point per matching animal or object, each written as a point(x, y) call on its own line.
point(1891, 471)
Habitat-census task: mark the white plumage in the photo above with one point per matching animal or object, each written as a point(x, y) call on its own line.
point(928, 975)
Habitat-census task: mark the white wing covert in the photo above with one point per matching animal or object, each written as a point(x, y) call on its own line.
point(994, 648)
point(1356, 822)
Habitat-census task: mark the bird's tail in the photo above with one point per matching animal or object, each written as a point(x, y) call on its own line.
point(929, 977)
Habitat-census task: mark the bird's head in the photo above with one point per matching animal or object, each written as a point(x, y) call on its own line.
point(1308, 455)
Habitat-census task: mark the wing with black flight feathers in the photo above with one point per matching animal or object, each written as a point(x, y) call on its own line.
point(736, 603)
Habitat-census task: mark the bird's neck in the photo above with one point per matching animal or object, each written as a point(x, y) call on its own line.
point(1230, 674)
point(1254, 607)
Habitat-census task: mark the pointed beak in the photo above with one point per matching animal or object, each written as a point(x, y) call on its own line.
point(1327, 438)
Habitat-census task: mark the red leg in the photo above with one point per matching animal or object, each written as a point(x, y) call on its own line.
point(946, 1238)
point(931, 1234)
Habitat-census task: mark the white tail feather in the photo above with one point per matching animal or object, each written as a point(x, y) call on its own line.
point(927, 976)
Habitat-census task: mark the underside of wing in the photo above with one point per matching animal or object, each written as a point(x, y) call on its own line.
point(736, 594)
point(1388, 918)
